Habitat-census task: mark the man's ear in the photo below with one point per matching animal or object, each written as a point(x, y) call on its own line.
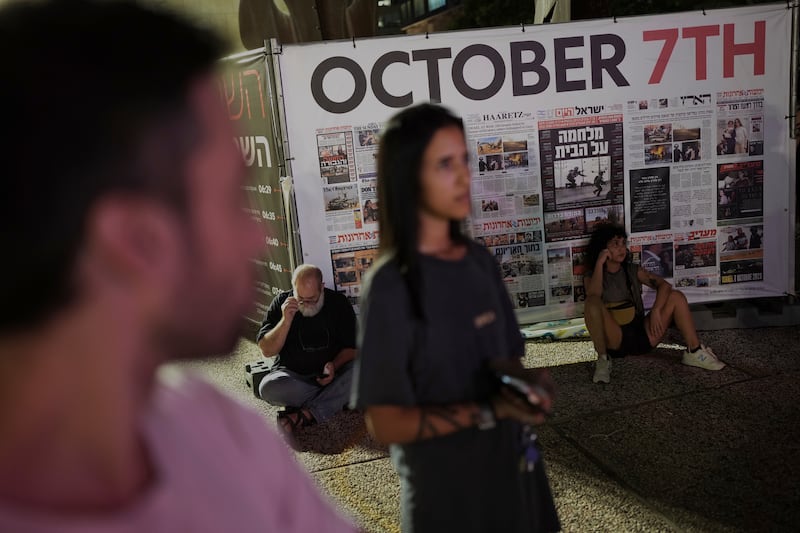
point(132, 241)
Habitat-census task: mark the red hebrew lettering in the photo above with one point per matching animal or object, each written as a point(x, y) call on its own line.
point(255, 73)
point(700, 34)
point(732, 49)
point(702, 234)
point(229, 98)
point(670, 37)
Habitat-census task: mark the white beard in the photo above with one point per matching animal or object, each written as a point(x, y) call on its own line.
point(309, 310)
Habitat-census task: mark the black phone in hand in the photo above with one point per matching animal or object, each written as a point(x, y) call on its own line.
point(522, 389)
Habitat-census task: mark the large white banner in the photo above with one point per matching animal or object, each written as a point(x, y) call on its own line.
point(673, 125)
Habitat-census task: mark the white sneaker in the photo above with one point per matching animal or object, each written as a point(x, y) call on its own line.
point(703, 358)
point(602, 371)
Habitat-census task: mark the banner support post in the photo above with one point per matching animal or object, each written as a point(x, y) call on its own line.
point(793, 81)
point(287, 185)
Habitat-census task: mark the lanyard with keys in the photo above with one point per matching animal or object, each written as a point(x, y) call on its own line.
point(530, 452)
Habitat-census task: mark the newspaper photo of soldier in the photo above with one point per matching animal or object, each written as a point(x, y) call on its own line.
point(582, 161)
point(578, 180)
point(340, 197)
point(740, 190)
point(657, 133)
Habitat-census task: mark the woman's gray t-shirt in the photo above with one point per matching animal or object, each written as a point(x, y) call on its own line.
point(468, 480)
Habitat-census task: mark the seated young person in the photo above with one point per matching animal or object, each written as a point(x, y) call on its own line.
point(311, 331)
point(614, 311)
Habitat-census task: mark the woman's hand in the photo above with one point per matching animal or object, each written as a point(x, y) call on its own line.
point(507, 405)
point(539, 401)
point(656, 324)
point(601, 260)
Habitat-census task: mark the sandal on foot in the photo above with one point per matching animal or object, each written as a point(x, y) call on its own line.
point(290, 424)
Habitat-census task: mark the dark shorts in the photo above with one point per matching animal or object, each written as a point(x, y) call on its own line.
point(634, 339)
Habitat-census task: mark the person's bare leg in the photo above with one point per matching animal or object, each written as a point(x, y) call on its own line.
point(594, 323)
point(605, 333)
point(696, 354)
point(677, 308)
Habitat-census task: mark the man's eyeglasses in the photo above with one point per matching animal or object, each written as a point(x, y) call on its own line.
point(310, 301)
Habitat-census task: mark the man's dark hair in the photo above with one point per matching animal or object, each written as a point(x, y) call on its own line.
point(94, 103)
point(400, 155)
point(599, 239)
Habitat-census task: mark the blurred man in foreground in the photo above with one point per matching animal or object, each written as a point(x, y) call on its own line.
point(125, 246)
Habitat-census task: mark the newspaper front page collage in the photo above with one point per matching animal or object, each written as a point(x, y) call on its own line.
point(347, 170)
point(689, 169)
point(696, 187)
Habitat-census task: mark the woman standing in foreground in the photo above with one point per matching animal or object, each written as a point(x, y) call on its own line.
point(436, 324)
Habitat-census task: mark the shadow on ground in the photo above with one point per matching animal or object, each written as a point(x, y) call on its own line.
point(663, 447)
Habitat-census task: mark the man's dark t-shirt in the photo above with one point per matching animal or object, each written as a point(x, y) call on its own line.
point(313, 341)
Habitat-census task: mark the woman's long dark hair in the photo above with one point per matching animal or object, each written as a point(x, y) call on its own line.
point(598, 242)
point(402, 146)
